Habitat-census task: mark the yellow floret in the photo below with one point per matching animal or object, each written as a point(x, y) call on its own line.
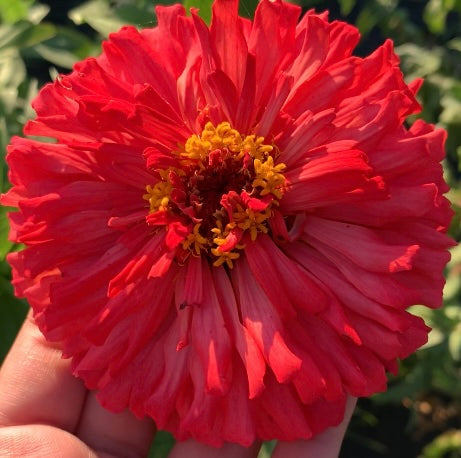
point(158, 195)
point(269, 177)
point(224, 257)
point(196, 239)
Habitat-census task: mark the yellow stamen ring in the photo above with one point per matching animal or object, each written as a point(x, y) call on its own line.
point(220, 157)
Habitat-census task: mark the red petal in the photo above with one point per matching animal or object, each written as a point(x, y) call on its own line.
point(210, 338)
point(263, 323)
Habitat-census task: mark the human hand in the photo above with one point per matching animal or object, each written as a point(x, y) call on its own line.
point(45, 411)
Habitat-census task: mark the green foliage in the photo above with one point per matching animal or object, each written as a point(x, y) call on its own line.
point(246, 8)
point(204, 7)
point(65, 47)
point(447, 445)
point(427, 36)
point(267, 449)
point(436, 12)
point(12, 311)
point(161, 445)
point(105, 18)
point(11, 12)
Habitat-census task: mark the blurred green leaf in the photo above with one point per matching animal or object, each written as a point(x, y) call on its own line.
point(16, 93)
point(5, 244)
point(138, 16)
point(161, 445)
point(266, 449)
point(12, 11)
point(346, 6)
point(453, 280)
point(105, 19)
point(443, 444)
point(204, 7)
point(455, 44)
point(454, 343)
point(24, 34)
point(12, 72)
point(247, 8)
point(452, 287)
point(56, 55)
point(98, 15)
point(451, 113)
point(414, 382)
point(418, 61)
point(27, 92)
point(66, 47)
point(12, 313)
point(453, 312)
point(366, 20)
point(37, 13)
point(435, 15)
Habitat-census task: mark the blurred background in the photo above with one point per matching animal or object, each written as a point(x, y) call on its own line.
point(420, 415)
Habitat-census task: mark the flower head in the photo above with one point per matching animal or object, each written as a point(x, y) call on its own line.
point(232, 222)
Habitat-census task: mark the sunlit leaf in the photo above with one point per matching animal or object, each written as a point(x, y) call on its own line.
point(37, 12)
point(451, 113)
point(98, 15)
point(12, 70)
point(418, 61)
point(455, 44)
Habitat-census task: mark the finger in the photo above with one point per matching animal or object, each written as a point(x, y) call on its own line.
point(37, 386)
point(192, 449)
point(119, 434)
point(41, 441)
point(326, 444)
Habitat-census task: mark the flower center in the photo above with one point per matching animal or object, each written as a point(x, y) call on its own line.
point(222, 187)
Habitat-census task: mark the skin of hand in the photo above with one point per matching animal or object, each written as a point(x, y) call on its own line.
point(46, 412)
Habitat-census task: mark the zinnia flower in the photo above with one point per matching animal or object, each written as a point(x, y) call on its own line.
point(228, 230)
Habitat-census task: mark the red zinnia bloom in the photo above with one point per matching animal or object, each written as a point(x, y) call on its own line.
point(232, 222)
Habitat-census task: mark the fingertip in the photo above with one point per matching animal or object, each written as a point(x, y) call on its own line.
point(41, 441)
point(37, 386)
point(114, 434)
